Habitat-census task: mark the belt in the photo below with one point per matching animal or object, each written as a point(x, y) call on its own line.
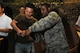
point(3, 36)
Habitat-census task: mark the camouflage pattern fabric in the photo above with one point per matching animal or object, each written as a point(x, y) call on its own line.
point(54, 35)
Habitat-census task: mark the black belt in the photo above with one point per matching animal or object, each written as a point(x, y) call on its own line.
point(3, 36)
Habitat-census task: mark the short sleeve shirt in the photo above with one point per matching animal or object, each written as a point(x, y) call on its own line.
point(5, 22)
point(78, 21)
point(23, 23)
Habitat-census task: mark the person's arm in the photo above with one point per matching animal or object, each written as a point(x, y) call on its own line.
point(45, 22)
point(77, 25)
point(7, 26)
point(17, 19)
point(13, 24)
point(5, 30)
point(77, 28)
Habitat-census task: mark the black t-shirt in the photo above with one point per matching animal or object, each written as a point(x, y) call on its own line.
point(23, 23)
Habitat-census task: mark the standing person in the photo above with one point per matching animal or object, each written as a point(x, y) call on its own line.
point(78, 24)
point(21, 10)
point(54, 34)
point(5, 27)
point(19, 24)
point(78, 31)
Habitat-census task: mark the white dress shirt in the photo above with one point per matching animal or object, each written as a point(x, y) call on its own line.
point(5, 22)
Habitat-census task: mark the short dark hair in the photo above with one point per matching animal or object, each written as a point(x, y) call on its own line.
point(30, 5)
point(1, 5)
point(46, 5)
point(21, 6)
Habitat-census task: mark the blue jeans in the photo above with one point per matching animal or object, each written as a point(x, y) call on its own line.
point(23, 48)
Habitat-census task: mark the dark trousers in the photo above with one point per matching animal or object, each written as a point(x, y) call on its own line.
point(3, 44)
point(79, 47)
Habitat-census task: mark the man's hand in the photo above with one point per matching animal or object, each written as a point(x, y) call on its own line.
point(19, 32)
point(27, 32)
point(23, 33)
point(30, 38)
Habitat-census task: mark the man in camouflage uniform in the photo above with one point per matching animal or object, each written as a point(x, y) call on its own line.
point(54, 34)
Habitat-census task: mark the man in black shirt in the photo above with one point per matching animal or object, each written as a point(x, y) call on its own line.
point(19, 24)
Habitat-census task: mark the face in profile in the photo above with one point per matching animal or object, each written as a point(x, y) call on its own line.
point(44, 10)
point(28, 12)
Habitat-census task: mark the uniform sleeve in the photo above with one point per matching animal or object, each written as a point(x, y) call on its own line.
point(78, 21)
point(45, 22)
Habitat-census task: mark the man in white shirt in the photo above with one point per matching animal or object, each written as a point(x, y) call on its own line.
point(4, 29)
point(78, 31)
point(78, 21)
point(78, 26)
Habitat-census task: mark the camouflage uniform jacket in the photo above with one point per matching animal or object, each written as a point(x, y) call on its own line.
point(54, 34)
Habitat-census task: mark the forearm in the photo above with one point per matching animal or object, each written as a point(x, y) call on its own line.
point(77, 28)
point(5, 30)
point(13, 24)
point(45, 22)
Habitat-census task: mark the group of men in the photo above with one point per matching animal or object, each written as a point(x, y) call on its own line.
point(26, 27)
